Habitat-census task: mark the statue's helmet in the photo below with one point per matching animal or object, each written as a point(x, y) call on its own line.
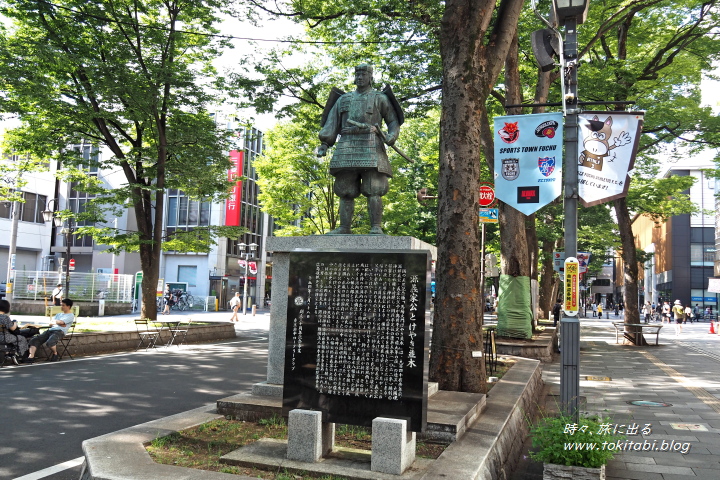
point(364, 67)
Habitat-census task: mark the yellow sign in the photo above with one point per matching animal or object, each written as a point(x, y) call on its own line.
point(571, 305)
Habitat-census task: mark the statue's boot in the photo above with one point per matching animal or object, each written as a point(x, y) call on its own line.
point(375, 208)
point(346, 210)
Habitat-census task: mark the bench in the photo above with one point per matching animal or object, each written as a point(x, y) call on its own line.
point(621, 327)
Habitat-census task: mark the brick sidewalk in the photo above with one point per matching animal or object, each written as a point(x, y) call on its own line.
point(681, 372)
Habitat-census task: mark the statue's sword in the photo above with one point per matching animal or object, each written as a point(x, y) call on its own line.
point(381, 134)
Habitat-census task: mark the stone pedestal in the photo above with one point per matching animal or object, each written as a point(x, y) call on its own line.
point(281, 248)
point(393, 447)
point(309, 439)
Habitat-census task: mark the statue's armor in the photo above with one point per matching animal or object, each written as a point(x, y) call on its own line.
point(361, 149)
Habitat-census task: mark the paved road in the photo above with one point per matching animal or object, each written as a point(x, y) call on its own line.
point(47, 410)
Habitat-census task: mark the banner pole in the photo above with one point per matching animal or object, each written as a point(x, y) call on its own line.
point(570, 326)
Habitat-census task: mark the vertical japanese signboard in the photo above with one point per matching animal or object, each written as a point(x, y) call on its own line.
point(528, 160)
point(357, 337)
point(232, 204)
point(571, 304)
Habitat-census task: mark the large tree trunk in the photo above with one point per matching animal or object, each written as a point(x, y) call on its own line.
point(533, 246)
point(458, 330)
point(470, 69)
point(630, 271)
point(150, 248)
point(547, 279)
point(149, 212)
point(151, 274)
point(518, 238)
point(627, 239)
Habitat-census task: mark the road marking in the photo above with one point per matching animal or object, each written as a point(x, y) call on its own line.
point(46, 472)
point(702, 394)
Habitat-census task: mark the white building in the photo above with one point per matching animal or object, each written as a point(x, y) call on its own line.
point(33, 234)
point(40, 245)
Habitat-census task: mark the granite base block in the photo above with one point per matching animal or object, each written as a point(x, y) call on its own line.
point(265, 389)
point(309, 439)
point(393, 447)
point(250, 408)
point(346, 463)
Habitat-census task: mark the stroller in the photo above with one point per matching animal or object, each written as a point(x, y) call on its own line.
point(8, 350)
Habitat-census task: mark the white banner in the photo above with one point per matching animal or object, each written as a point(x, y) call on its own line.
point(607, 143)
point(714, 285)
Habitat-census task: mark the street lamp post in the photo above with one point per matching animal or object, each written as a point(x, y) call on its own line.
point(570, 13)
point(567, 13)
point(50, 215)
point(246, 255)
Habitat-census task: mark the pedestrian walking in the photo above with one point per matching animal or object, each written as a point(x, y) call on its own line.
point(689, 315)
point(679, 314)
point(594, 309)
point(556, 313)
point(666, 313)
point(647, 311)
point(167, 300)
point(235, 305)
point(57, 295)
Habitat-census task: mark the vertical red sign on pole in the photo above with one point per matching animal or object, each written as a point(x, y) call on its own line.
point(72, 264)
point(232, 204)
point(572, 287)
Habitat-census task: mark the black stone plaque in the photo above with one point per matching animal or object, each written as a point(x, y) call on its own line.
point(356, 342)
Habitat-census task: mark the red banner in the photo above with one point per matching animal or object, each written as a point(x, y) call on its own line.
point(232, 204)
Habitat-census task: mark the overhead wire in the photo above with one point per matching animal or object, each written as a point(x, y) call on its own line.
point(231, 37)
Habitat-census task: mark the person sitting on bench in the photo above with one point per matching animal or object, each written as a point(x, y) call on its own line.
point(58, 328)
point(12, 334)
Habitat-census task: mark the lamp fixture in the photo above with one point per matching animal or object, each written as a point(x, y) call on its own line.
point(566, 9)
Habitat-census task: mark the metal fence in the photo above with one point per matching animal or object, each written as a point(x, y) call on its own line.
point(30, 285)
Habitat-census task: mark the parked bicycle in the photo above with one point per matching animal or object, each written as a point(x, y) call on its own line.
point(179, 300)
point(189, 299)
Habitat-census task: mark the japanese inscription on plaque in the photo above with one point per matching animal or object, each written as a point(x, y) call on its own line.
point(356, 344)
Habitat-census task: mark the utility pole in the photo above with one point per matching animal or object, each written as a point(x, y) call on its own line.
point(14, 217)
point(68, 231)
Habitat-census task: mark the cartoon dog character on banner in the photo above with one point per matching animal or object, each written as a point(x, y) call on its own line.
point(597, 146)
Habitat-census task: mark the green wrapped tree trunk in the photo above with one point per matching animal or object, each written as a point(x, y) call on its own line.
point(514, 307)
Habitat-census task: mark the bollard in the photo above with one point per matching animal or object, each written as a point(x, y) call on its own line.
point(254, 310)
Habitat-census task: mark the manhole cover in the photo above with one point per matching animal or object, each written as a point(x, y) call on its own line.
point(689, 426)
point(647, 403)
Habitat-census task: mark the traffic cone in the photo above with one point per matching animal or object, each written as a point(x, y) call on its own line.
point(712, 327)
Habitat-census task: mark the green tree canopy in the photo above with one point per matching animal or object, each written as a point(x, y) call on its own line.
point(134, 77)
